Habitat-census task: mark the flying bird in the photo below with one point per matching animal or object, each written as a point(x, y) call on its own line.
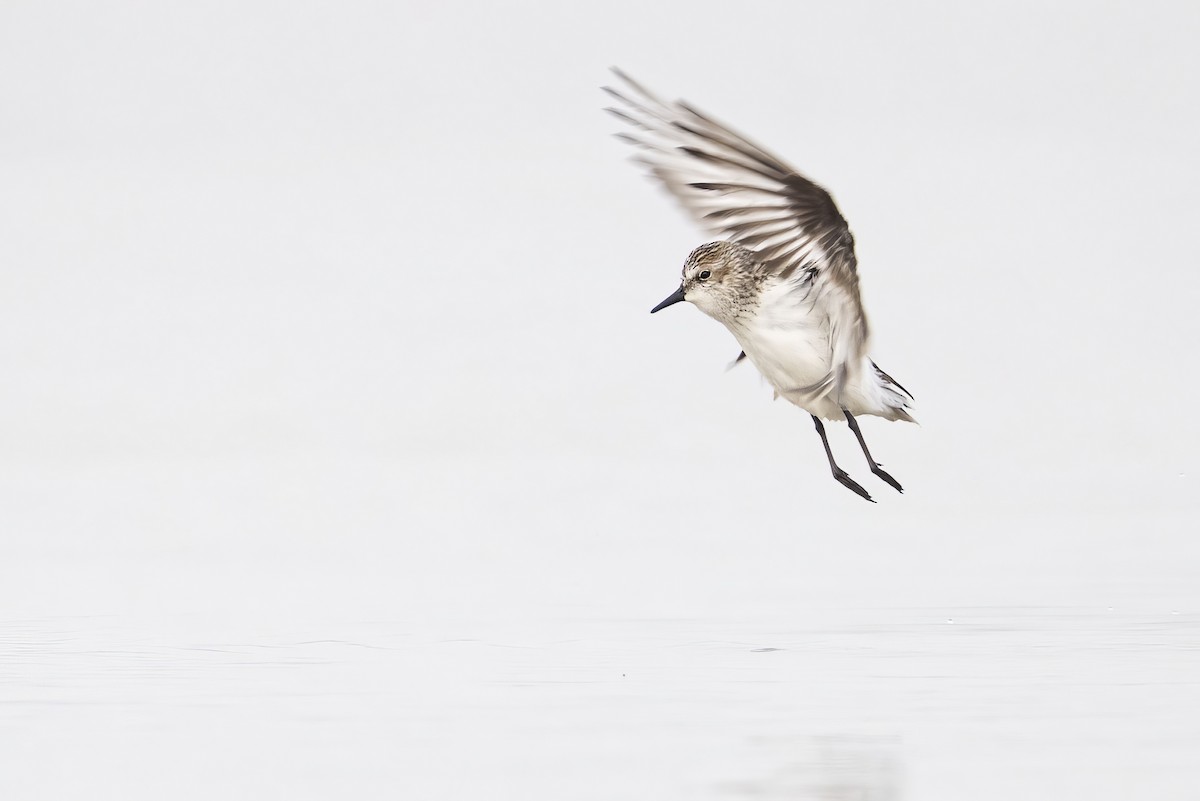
point(784, 278)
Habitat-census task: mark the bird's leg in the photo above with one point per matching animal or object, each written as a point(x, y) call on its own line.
point(839, 473)
point(875, 468)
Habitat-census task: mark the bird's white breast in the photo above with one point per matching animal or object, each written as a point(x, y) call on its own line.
point(786, 338)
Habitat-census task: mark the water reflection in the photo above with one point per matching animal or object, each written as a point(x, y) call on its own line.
point(828, 768)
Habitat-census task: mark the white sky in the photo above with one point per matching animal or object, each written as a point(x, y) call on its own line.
point(347, 304)
point(358, 227)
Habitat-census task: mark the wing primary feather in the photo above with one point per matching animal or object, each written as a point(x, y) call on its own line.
point(739, 141)
point(713, 157)
point(639, 88)
point(723, 187)
point(626, 117)
point(721, 214)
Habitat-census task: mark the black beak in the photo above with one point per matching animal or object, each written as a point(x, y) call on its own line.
point(676, 297)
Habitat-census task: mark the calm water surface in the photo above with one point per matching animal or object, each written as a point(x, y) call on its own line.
point(864, 704)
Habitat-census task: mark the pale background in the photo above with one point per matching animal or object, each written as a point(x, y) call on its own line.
point(340, 457)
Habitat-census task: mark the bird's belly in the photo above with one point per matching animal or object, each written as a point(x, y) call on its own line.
point(790, 358)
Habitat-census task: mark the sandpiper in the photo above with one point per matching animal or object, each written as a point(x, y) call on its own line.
point(785, 283)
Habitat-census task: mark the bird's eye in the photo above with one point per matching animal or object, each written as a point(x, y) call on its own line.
point(704, 275)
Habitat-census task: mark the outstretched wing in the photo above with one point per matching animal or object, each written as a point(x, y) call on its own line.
point(740, 192)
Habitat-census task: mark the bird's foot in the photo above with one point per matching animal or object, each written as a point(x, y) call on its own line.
point(879, 471)
point(844, 479)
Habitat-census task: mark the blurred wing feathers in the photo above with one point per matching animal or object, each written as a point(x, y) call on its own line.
point(738, 191)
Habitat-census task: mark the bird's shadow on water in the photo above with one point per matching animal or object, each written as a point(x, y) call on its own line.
point(826, 768)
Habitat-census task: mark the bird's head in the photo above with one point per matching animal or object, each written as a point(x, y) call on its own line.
point(720, 279)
